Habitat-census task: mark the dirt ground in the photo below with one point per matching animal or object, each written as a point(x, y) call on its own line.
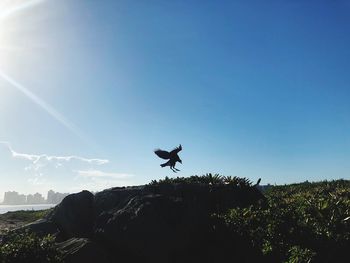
point(6, 225)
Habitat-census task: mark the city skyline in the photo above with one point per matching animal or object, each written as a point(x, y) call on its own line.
point(88, 89)
point(16, 198)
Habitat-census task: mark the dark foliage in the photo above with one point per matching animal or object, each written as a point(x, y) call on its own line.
point(208, 179)
point(27, 247)
point(210, 218)
point(306, 222)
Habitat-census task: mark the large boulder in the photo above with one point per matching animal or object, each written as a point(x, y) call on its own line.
point(115, 198)
point(165, 223)
point(216, 197)
point(145, 229)
point(74, 216)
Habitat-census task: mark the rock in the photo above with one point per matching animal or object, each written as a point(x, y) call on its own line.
point(74, 216)
point(154, 223)
point(115, 198)
point(41, 227)
point(174, 226)
point(145, 225)
point(82, 250)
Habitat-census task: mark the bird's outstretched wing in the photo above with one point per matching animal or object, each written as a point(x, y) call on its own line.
point(176, 150)
point(162, 154)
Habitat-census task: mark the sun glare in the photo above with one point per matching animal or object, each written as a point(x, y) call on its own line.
point(11, 12)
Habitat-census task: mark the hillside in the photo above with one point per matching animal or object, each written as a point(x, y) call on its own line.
point(200, 219)
point(12, 220)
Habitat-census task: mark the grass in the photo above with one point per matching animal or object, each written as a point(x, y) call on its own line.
point(24, 216)
point(12, 220)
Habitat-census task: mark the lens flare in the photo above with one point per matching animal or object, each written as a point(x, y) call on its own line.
point(41, 103)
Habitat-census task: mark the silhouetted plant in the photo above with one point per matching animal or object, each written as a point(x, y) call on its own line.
point(209, 179)
point(301, 223)
point(26, 247)
point(237, 181)
point(300, 255)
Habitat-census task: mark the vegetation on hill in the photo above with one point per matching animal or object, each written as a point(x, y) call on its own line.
point(209, 179)
point(306, 222)
point(27, 247)
point(25, 216)
point(12, 220)
point(18, 247)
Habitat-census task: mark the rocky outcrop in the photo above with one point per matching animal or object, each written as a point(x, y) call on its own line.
point(74, 216)
point(159, 223)
point(82, 250)
point(41, 227)
point(152, 223)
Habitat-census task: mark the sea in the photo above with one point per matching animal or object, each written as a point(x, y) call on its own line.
point(10, 208)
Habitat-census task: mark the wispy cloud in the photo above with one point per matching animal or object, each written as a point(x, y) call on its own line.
point(65, 173)
point(95, 180)
point(37, 179)
point(100, 174)
point(35, 158)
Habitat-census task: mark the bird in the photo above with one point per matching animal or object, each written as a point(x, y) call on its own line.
point(172, 156)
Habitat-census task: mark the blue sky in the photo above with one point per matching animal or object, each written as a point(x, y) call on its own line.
point(249, 88)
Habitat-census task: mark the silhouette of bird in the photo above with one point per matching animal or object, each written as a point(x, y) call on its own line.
point(172, 156)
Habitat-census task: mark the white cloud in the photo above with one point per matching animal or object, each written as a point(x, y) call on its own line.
point(41, 167)
point(35, 158)
point(100, 174)
point(37, 180)
point(98, 180)
point(69, 173)
point(95, 180)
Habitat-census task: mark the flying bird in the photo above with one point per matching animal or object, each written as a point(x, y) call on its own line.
point(172, 156)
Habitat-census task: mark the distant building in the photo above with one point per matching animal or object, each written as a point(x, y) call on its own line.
point(30, 199)
point(14, 198)
point(55, 197)
point(35, 199)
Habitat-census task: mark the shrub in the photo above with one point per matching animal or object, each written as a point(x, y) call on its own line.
point(25, 216)
point(300, 255)
point(209, 179)
point(25, 247)
point(302, 222)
